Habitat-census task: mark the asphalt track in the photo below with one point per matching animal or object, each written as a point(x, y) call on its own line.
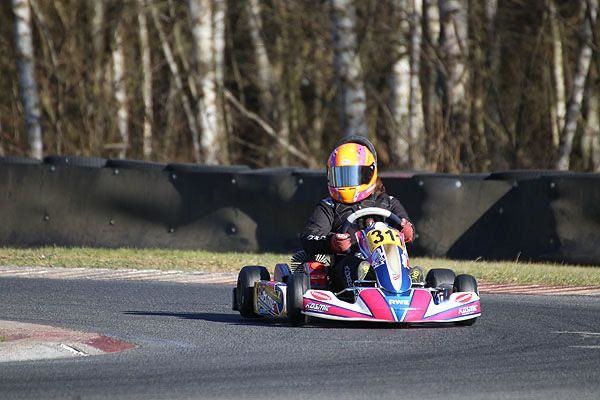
point(191, 345)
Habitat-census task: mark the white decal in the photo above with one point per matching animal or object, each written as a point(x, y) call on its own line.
point(317, 307)
point(467, 310)
point(378, 258)
point(398, 302)
point(315, 237)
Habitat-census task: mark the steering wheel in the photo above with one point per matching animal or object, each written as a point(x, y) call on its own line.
point(365, 212)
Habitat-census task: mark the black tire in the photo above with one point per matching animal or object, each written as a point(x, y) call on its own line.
point(465, 283)
point(19, 160)
point(118, 163)
point(75, 161)
point(247, 277)
point(438, 277)
point(297, 285)
point(207, 169)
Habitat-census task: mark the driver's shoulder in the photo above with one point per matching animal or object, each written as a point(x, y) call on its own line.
point(328, 202)
point(379, 199)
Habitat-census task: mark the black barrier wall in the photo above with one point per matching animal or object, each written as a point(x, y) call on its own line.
point(74, 201)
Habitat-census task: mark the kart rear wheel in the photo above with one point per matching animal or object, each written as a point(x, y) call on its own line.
point(248, 276)
point(465, 283)
point(297, 284)
point(437, 277)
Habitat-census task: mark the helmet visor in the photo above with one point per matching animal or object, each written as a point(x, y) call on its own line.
point(350, 175)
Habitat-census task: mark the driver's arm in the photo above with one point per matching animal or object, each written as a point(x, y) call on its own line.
point(397, 208)
point(407, 227)
point(316, 235)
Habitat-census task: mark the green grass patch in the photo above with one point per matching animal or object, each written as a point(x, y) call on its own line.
point(196, 260)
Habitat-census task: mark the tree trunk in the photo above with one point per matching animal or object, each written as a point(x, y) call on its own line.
point(477, 33)
point(496, 131)
point(416, 124)
point(219, 29)
point(146, 80)
point(96, 108)
point(592, 130)
point(559, 106)
point(203, 29)
point(185, 101)
point(578, 85)
point(400, 87)
point(273, 103)
point(120, 93)
point(351, 92)
point(454, 55)
point(265, 76)
point(171, 121)
point(431, 103)
point(27, 82)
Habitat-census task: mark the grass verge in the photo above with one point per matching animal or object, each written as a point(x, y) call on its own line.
point(195, 260)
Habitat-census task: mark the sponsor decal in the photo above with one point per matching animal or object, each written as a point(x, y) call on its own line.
point(415, 274)
point(399, 302)
point(378, 258)
point(348, 276)
point(317, 307)
point(320, 295)
point(468, 310)
point(464, 298)
point(270, 300)
point(395, 276)
point(315, 237)
point(272, 292)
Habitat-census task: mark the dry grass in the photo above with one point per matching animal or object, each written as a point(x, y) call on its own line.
point(192, 260)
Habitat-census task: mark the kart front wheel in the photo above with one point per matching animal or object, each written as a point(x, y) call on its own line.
point(248, 276)
point(438, 277)
point(465, 283)
point(297, 285)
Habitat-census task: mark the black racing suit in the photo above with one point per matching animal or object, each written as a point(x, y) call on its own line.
point(327, 219)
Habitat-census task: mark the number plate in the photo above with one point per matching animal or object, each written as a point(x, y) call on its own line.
point(378, 237)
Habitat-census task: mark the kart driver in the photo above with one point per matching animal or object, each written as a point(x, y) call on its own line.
point(353, 184)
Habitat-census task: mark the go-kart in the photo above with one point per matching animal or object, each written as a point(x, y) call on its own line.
point(391, 296)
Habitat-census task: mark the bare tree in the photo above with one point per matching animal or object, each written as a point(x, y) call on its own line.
point(430, 71)
point(558, 109)
point(146, 80)
point(174, 68)
point(578, 85)
point(95, 107)
point(591, 135)
point(269, 80)
point(27, 82)
point(265, 75)
point(406, 95)
point(499, 138)
point(120, 93)
point(454, 47)
point(351, 92)
point(478, 42)
point(400, 82)
point(203, 29)
point(416, 125)
point(219, 47)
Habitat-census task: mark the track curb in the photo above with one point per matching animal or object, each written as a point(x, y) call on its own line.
point(26, 342)
point(176, 276)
